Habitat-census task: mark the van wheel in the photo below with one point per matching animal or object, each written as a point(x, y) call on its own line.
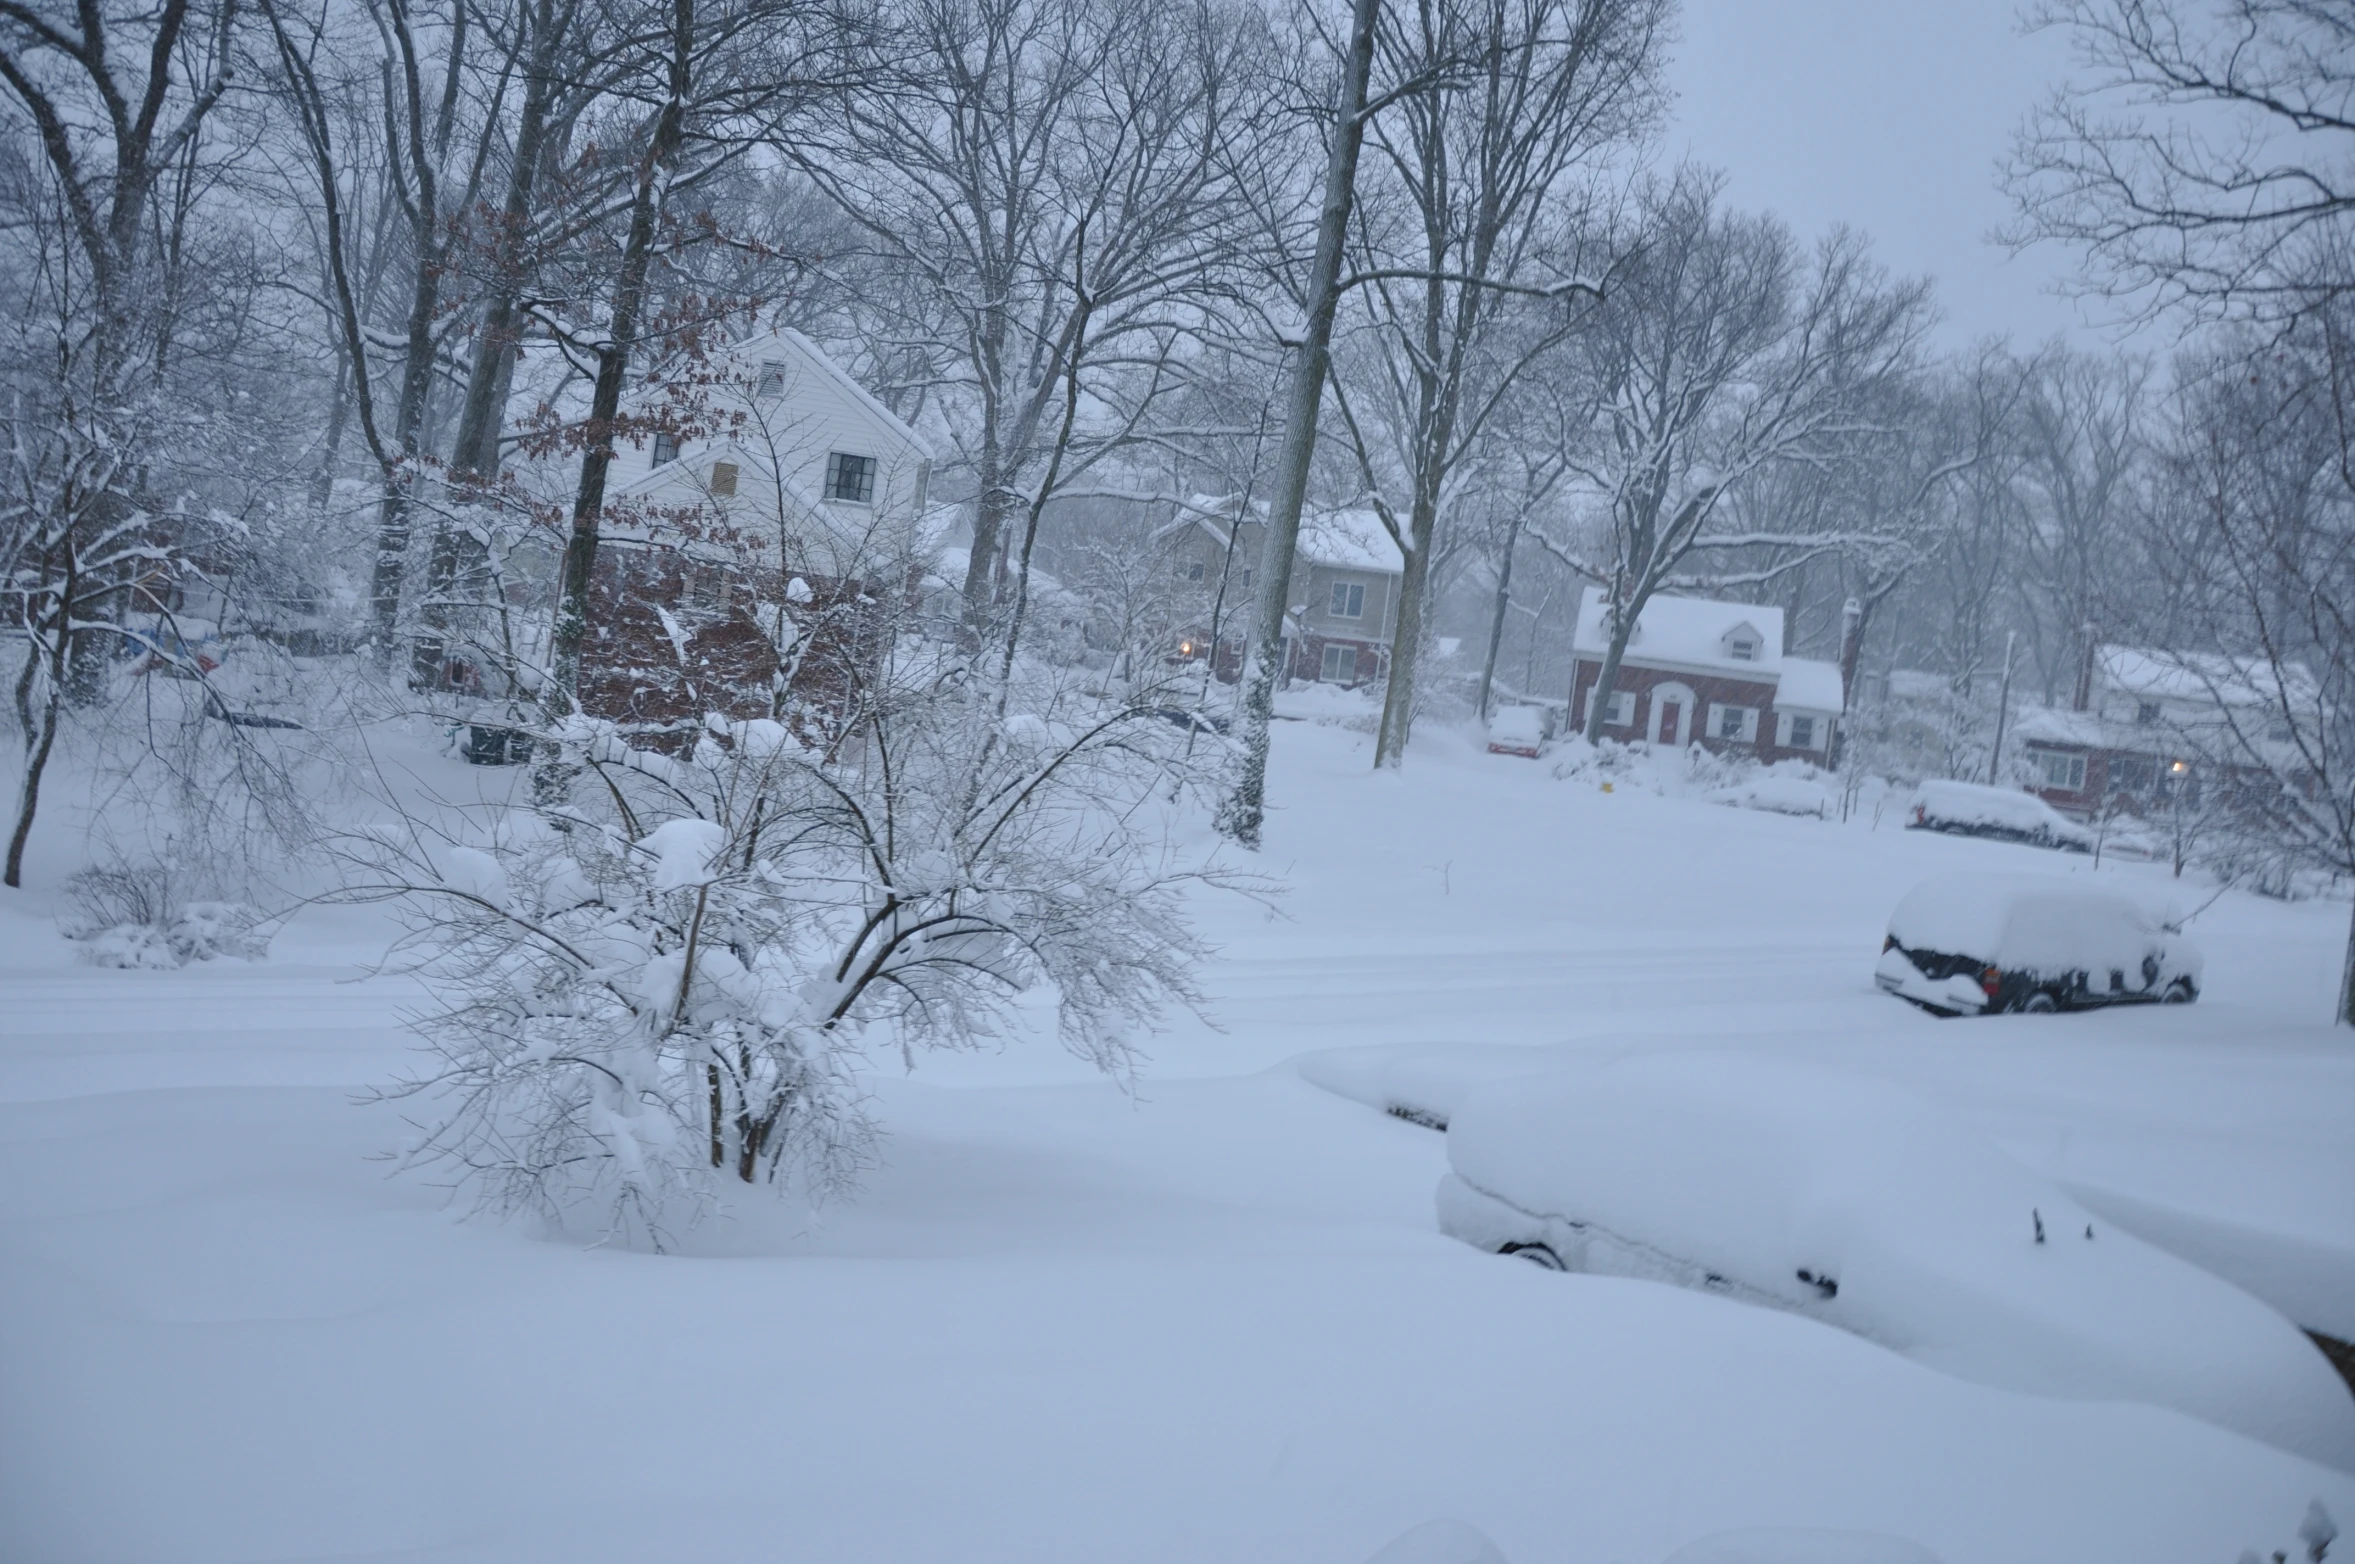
point(2037, 1002)
point(2178, 993)
point(1535, 1254)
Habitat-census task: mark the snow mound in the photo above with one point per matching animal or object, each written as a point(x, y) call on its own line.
point(1800, 1545)
point(684, 852)
point(1776, 794)
point(1440, 1542)
point(1857, 1203)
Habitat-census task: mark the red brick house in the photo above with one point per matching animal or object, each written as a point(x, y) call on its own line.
point(1715, 674)
point(2148, 728)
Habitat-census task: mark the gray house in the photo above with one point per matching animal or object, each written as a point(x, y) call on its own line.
point(1344, 591)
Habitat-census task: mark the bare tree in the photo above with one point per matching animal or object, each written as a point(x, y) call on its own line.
point(1477, 271)
point(1719, 353)
point(1047, 190)
point(116, 103)
point(2255, 523)
point(1354, 108)
point(2196, 151)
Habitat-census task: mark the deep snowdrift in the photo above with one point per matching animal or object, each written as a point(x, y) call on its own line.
point(1857, 1203)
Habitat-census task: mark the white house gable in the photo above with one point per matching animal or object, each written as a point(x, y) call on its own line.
point(791, 429)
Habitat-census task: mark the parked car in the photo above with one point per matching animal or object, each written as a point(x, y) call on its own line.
point(2004, 813)
point(1984, 944)
point(1516, 730)
point(1859, 1204)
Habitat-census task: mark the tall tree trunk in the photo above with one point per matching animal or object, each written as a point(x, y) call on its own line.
point(1241, 811)
point(2346, 978)
point(613, 361)
point(41, 740)
point(1496, 620)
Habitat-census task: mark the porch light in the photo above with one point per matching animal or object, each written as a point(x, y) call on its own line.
point(2179, 767)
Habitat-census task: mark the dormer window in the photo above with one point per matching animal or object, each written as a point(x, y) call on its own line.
point(1742, 651)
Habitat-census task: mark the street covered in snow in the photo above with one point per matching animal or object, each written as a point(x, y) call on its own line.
point(1209, 1314)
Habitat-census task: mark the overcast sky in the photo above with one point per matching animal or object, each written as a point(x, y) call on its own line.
point(1888, 115)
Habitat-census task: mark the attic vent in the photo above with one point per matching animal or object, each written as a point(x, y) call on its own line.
point(723, 478)
point(771, 382)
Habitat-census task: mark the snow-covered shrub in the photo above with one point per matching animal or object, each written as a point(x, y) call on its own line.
point(134, 917)
point(666, 987)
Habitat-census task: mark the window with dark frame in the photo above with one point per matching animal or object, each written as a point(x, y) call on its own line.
point(1733, 722)
point(2060, 772)
point(850, 477)
point(1349, 600)
point(1802, 733)
point(666, 448)
point(1340, 665)
point(2146, 714)
point(1619, 711)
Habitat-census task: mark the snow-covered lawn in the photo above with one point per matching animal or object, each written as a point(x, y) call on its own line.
point(1214, 1320)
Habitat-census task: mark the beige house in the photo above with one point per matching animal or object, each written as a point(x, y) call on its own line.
point(1344, 606)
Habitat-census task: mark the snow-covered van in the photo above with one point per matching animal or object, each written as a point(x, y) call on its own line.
point(1970, 809)
point(1982, 944)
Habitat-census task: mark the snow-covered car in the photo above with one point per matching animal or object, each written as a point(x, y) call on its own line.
point(1516, 730)
point(1984, 944)
point(2004, 813)
point(1851, 1201)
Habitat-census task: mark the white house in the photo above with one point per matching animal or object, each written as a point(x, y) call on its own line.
point(783, 453)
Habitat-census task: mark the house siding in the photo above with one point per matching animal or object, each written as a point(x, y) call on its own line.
point(1709, 691)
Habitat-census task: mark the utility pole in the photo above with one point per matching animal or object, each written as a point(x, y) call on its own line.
point(2003, 705)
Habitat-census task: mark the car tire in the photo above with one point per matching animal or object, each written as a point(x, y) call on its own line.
point(1535, 1254)
point(2036, 1002)
point(2179, 992)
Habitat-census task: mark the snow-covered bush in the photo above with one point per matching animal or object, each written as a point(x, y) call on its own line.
point(135, 917)
point(666, 987)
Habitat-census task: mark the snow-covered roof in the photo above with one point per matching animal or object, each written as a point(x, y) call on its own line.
point(2053, 725)
point(1809, 685)
point(2205, 677)
point(1694, 632)
point(1349, 540)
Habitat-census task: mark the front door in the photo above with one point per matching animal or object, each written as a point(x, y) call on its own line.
point(1671, 716)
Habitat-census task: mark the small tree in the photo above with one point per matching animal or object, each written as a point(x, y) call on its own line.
point(666, 991)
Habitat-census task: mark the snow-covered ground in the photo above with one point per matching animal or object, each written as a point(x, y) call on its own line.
point(1212, 1319)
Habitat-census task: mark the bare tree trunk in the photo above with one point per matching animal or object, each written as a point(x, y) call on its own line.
point(1240, 813)
point(2346, 977)
point(613, 359)
point(28, 798)
point(1496, 622)
point(1598, 699)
